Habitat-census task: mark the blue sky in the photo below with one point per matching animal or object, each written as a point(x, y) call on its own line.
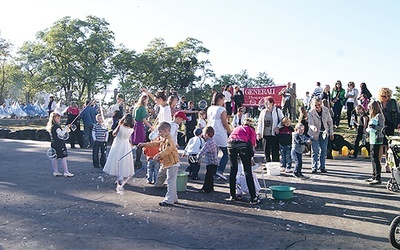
point(301, 41)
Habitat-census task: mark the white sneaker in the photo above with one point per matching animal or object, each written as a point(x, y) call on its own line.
point(56, 174)
point(68, 175)
point(222, 176)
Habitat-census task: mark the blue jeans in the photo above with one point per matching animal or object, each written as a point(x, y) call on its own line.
point(223, 161)
point(298, 162)
point(87, 135)
point(152, 170)
point(286, 159)
point(318, 152)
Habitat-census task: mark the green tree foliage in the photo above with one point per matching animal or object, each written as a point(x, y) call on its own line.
point(397, 94)
point(74, 56)
point(163, 67)
point(244, 80)
point(5, 56)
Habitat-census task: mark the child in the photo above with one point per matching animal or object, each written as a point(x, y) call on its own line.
point(53, 127)
point(375, 125)
point(361, 123)
point(152, 165)
point(191, 150)
point(303, 119)
point(100, 138)
point(120, 161)
point(169, 159)
point(179, 117)
point(285, 145)
point(210, 150)
point(298, 145)
point(201, 123)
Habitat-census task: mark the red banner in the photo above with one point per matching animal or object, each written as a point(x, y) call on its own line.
point(252, 96)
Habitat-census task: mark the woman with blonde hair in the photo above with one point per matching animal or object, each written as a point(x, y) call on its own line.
point(390, 110)
point(376, 137)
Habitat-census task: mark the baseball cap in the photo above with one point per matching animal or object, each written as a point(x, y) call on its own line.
point(181, 114)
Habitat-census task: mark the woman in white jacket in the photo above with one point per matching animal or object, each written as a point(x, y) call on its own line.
point(320, 128)
point(268, 127)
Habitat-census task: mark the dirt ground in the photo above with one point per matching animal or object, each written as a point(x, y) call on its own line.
point(337, 210)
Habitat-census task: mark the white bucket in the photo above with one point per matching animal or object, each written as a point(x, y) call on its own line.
point(273, 168)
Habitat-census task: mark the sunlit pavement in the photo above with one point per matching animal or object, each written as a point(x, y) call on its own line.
point(336, 210)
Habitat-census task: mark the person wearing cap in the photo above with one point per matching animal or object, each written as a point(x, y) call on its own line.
point(179, 117)
point(216, 115)
point(191, 150)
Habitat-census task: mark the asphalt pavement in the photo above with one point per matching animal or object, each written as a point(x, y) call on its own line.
point(336, 210)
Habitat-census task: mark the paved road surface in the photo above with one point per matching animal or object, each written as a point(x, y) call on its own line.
point(328, 211)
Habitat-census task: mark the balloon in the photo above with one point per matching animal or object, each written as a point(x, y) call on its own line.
point(51, 153)
point(202, 104)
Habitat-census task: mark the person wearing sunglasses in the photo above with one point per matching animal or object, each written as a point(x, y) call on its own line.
point(390, 111)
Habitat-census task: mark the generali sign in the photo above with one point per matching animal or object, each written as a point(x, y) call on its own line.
point(252, 96)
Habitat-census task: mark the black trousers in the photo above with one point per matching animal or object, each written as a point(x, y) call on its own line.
point(208, 185)
point(271, 146)
point(360, 133)
point(234, 153)
point(376, 162)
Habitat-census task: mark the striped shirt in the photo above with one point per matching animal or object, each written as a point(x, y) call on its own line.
point(210, 150)
point(100, 133)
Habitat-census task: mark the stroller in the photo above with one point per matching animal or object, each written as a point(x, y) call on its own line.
point(393, 158)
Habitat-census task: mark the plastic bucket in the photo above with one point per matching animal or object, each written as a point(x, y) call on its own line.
point(282, 192)
point(273, 168)
point(181, 181)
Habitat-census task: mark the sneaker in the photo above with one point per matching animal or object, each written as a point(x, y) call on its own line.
point(234, 198)
point(68, 175)
point(221, 176)
point(314, 171)
point(164, 204)
point(369, 180)
point(375, 182)
point(288, 170)
point(324, 171)
point(254, 200)
point(56, 174)
point(283, 169)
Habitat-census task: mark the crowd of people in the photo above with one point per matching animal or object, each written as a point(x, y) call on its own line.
point(224, 126)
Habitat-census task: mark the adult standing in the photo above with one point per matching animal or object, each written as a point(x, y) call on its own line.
point(351, 102)
point(326, 95)
point(88, 116)
point(321, 130)
point(238, 147)
point(338, 100)
point(52, 105)
point(268, 129)
point(390, 111)
point(238, 98)
point(228, 101)
point(190, 125)
point(74, 135)
point(140, 120)
point(364, 90)
point(216, 115)
point(288, 100)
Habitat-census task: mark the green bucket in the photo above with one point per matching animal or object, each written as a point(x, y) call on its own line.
point(181, 181)
point(282, 192)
